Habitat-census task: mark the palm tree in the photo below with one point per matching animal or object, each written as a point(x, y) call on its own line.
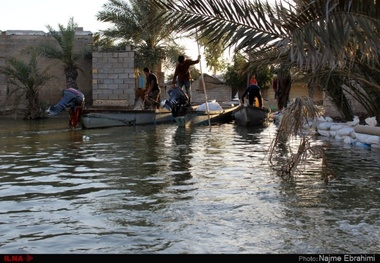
point(134, 25)
point(235, 76)
point(65, 52)
point(310, 36)
point(213, 55)
point(26, 79)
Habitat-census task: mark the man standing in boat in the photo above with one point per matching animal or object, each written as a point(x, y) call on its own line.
point(182, 71)
point(253, 91)
point(152, 91)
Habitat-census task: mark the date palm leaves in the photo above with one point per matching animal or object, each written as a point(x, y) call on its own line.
point(26, 79)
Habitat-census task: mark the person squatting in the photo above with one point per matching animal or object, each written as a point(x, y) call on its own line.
point(253, 91)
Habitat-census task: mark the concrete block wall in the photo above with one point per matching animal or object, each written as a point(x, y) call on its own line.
point(215, 90)
point(113, 78)
point(331, 110)
point(13, 42)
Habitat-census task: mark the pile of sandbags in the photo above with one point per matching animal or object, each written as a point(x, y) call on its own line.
point(212, 106)
point(351, 132)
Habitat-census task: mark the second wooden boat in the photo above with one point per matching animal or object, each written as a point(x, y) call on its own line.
point(203, 117)
point(247, 115)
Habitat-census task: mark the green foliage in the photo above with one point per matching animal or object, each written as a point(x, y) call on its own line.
point(100, 41)
point(65, 52)
point(264, 76)
point(213, 52)
point(25, 79)
point(133, 24)
point(236, 76)
point(238, 73)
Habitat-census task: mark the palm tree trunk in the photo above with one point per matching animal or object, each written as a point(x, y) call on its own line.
point(71, 78)
point(33, 110)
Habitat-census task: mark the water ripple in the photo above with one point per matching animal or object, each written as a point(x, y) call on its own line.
point(165, 189)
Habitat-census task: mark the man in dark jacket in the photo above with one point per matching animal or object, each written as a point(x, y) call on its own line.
point(152, 91)
point(253, 91)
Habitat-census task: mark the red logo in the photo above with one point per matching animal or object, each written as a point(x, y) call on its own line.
point(17, 258)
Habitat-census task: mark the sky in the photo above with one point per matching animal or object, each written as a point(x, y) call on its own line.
point(37, 14)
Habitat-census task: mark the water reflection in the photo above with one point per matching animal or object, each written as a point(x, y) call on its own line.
point(179, 152)
point(166, 189)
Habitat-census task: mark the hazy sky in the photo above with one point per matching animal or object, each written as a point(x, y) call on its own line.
point(36, 14)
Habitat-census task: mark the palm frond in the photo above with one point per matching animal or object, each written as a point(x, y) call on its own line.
point(297, 122)
point(26, 79)
point(247, 24)
point(310, 33)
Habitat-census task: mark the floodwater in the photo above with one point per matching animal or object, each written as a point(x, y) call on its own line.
point(169, 190)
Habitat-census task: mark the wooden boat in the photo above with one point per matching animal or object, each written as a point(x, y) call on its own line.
point(203, 117)
point(247, 115)
point(104, 118)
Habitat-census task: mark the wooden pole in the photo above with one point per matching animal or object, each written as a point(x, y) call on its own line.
point(203, 82)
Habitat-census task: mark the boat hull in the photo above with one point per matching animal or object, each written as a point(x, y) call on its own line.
point(198, 118)
point(250, 116)
point(91, 119)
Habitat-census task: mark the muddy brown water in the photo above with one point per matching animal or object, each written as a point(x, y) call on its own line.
point(165, 189)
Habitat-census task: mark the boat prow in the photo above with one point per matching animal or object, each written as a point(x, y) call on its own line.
point(198, 117)
point(249, 116)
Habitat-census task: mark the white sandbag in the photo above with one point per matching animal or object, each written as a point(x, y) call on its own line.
point(325, 125)
point(373, 139)
point(345, 131)
point(354, 122)
point(339, 138)
point(336, 126)
point(361, 137)
point(371, 121)
point(321, 118)
point(332, 133)
point(329, 119)
point(349, 140)
point(324, 132)
point(212, 106)
point(368, 139)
